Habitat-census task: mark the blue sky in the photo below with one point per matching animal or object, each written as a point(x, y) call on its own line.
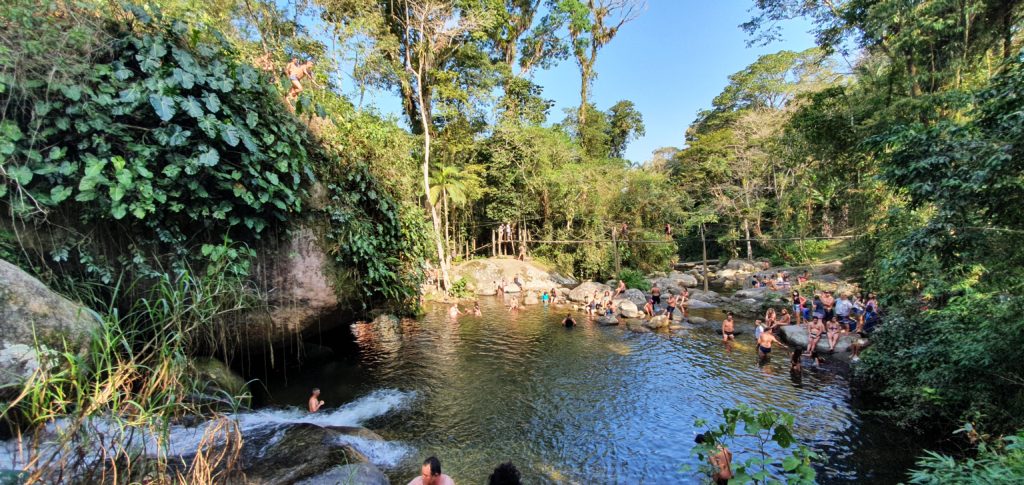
point(671, 62)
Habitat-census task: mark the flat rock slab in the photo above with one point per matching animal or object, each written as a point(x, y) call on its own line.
point(796, 335)
point(357, 474)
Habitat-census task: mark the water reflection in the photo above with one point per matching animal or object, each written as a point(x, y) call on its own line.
point(588, 404)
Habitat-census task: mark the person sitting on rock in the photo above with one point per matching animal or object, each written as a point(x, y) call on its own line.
point(814, 333)
point(314, 401)
point(784, 319)
point(620, 289)
point(649, 307)
point(430, 474)
point(834, 330)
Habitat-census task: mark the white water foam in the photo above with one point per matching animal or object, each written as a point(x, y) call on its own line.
point(186, 440)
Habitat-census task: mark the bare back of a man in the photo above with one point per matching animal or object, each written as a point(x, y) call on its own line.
point(722, 462)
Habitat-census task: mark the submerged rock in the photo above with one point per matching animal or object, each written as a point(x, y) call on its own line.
point(607, 321)
point(357, 474)
point(657, 322)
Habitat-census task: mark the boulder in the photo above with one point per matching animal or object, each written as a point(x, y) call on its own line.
point(303, 289)
point(487, 291)
point(667, 286)
point(484, 273)
point(698, 320)
point(708, 296)
point(36, 324)
point(607, 321)
point(726, 274)
point(796, 336)
point(220, 382)
point(386, 319)
point(636, 296)
point(512, 289)
point(699, 305)
point(587, 288)
point(744, 266)
point(687, 280)
point(638, 327)
point(287, 453)
point(752, 293)
point(356, 474)
point(627, 308)
point(657, 322)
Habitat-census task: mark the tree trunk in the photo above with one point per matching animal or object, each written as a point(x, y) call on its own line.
point(704, 246)
point(442, 259)
point(750, 244)
point(584, 92)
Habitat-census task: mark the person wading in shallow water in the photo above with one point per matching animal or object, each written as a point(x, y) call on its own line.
point(431, 474)
point(721, 461)
point(568, 321)
point(314, 401)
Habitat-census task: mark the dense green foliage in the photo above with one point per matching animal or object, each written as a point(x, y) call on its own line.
point(759, 450)
point(998, 461)
point(157, 147)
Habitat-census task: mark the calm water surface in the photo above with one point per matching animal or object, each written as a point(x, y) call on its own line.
point(584, 405)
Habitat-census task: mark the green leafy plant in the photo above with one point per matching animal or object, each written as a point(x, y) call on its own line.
point(998, 461)
point(635, 279)
point(764, 433)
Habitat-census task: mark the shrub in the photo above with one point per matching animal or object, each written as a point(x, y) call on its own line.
point(997, 461)
point(635, 279)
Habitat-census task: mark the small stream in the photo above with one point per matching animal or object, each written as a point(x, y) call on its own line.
point(584, 405)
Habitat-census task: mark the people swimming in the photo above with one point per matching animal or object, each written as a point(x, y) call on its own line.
point(764, 344)
point(314, 401)
point(454, 311)
point(568, 321)
point(476, 309)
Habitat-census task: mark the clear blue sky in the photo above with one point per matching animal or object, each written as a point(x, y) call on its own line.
point(671, 62)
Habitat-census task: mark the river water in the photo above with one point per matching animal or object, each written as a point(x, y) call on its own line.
point(583, 405)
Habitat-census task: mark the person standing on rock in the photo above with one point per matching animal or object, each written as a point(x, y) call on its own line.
point(430, 474)
point(728, 328)
point(656, 295)
point(314, 401)
point(501, 288)
point(670, 310)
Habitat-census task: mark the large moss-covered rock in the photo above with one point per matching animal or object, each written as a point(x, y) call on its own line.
point(36, 322)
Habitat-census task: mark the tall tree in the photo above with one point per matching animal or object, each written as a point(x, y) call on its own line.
point(524, 41)
point(625, 124)
point(592, 25)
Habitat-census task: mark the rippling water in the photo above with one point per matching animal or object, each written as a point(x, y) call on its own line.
point(583, 405)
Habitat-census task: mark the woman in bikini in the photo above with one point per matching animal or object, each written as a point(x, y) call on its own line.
point(835, 330)
point(814, 333)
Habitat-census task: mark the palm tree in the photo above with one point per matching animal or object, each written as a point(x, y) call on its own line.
point(455, 186)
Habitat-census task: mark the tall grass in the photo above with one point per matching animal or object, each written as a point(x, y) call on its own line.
point(105, 416)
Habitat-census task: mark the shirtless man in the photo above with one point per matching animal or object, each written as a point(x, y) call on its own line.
point(764, 344)
point(513, 304)
point(721, 462)
point(671, 307)
point(728, 328)
point(476, 309)
point(830, 304)
point(296, 71)
point(656, 295)
point(454, 311)
point(314, 401)
point(814, 333)
point(431, 474)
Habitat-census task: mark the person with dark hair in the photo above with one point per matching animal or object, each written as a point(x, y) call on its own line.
point(721, 461)
point(505, 474)
point(431, 474)
point(314, 401)
point(568, 321)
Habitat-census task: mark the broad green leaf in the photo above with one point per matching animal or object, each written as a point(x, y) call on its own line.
point(230, 135)
point(20, 174)
point(118, 211)
point(209, 158)
point(163, 106)
point(192, 107)
point(59, 193)
point(212, 102)
point(251, 119)
point(116, 192)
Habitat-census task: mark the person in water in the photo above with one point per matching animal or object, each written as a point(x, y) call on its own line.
point(505, 474)
point(764, 344)
point(454, 311)
point(649, 307)
point(476, 309)
point(728, 328)
point(430, 474)
point(568, 321)
point(513, 304)
point(721, 461)
point(314, 401)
